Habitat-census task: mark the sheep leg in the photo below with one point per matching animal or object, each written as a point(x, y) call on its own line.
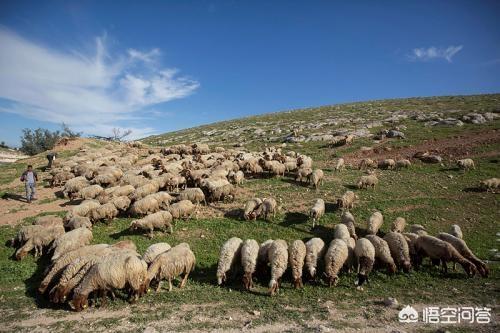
point(158, 286)
point(184, 280)
point(444, 266)
point(151, 234)
point(169, 284)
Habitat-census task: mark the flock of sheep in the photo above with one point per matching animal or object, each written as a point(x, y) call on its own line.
point(160, 187)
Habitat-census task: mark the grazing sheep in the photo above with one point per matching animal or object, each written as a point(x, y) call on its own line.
point(348, 219)
point(39, 238)
point(278, 260)
point(347, 200)
point(490, 184)
point(315, 178)
point(303, 173)
point(365, 254)
point(341, 232)
point(70, 241)
point(229, 259)
point(195, 195)
point(83, 209)
point(113, 272)
point(317, 211)
point(124, 190)
point(367, 181)
point(296, 258)
point(410, 239)
point(438, 249)
point(367, 163)
point(456, 231)
point(466, 164)
point(398, 225)
point(74, 185)
point(418, 229)
point(461, 246)
point(163, 199)
point(403, 163)
point(159, 220)
point(144, 206)
point(106, 212)
point(182, 209)
point(155, 250)
point(386, 164)
point(340, 165)
point(168, 265)
point(400, 251)
point(238, 177)
point(374, 223)
point(48, 221)
point(315, 248)
point(122, 203)
point(91, 192)
point(249, 254)
point(77, 222)
point(144, 190)
point(269, 207)
point(335, 257)
point(382, 253)
point(250, 207)
point(60, 178)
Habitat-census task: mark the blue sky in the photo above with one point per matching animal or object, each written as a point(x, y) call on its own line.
point(157, 66)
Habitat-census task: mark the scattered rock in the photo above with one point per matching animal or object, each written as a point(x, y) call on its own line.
point(391, 302)
point(256, 313)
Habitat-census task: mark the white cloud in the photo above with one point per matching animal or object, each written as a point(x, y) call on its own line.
point(91, 93)
point(426, 54)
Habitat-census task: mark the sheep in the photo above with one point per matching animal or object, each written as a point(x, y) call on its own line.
point(144, 206)
point(347, 200)
point(163, 199)
point(70, 241)
point(290, 165)
point(400, 250)
point(382, 253)
point(154, 250)
point(278, 260)
point(456, 231)
point(410, 239)
point(122, 203)
point(195, 195)
point(315, 178)
point(365, 254)
point(466, 164)
point(317, 211)
point(106, 212)
point(91, 192)
point(340, 165)
point(83, 209)
point(48, 220)
point(367, 181)
point(315, 248)
point(124, 190)
point(144, 190)
point(250, 206)
point(269, 207)
point(40, 238)
point(304, 161)
point(418, 229)
point(229, 259)
point(341, 232)
point(74, 185)
point(249, 254)
point(367, 163)
point(218, 189)
point(398, 225)
point(461, 246)
point(168, 265)
point(348, 219)
point(113, 272)
point(182, 209)
point(335, 257)
point(490, 184)
point(60, 178)
point(78, 222)
point(438, 249)
point(403, 163)
point(386, 164)
point(238, 177)
point(296, 258)
point(158, 220)
point(302, 173)
point(374, 223)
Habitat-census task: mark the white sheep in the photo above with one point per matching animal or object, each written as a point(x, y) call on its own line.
point(195, 195)
point(461, 246)
point(335, 257)
point(365, 254)
point(317, 211)
point(229, 259)
point(315, 249)
point(78, 222)
point(340, 231)
point(278, 260)
point(382, 253)
point(466, 164)
point(296, 258)
point(347, 200)
point(456, 231)
point(315, 178)
point(38, 239)
point(250, 208)
point(340, 165)
point(374, 223)
point(262, 262)
point(159, 220)
point(182, 209)
point(70, 241)
point(249, 254)
point(398, 225)
point(348, 219)
point(403, 163)
point(144, 206)
point(490, 184)
point(367, 181)
point(105, 212)
point(400, 250)
point(155, 250)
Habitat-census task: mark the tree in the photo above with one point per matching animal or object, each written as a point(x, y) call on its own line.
point(118, 135)
point(67, 132)
point(39, 140)
point(3, 145)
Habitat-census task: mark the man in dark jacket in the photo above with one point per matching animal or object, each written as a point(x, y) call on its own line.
point(29, 177)
point(51, 156)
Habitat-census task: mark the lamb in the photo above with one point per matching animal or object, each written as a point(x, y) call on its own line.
point(158, 220)
point(122, 203)
point(490, 184)
point(386, 164)
point(400, 250)
point(317, 211)
point(398, 225)
point(348, 219)
point(155, 250)
point(39, 239)
point(249, 254)
point(438, 249)
point(403, 163)
point(456, 231)
point(367, 181)
point(70, 241)
point(382, 253)
point(144, 206)
point(78, 222)
point(168, 265)
point(278, 260)
point(316, 178)
point(347, 200)
point(296, 257)
point(315, 248)
point(113, 272)
point(195, 195)
point(365, 254)
point(340, 165)
point(106, 212)
point(91, 192)
point(341, 232)
point(374, 223)
point(461, 246)
point(466, 164)
point(335, 257)
point(229, 259)
point(182, 209)
point(250, 206)
point(302, 173)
